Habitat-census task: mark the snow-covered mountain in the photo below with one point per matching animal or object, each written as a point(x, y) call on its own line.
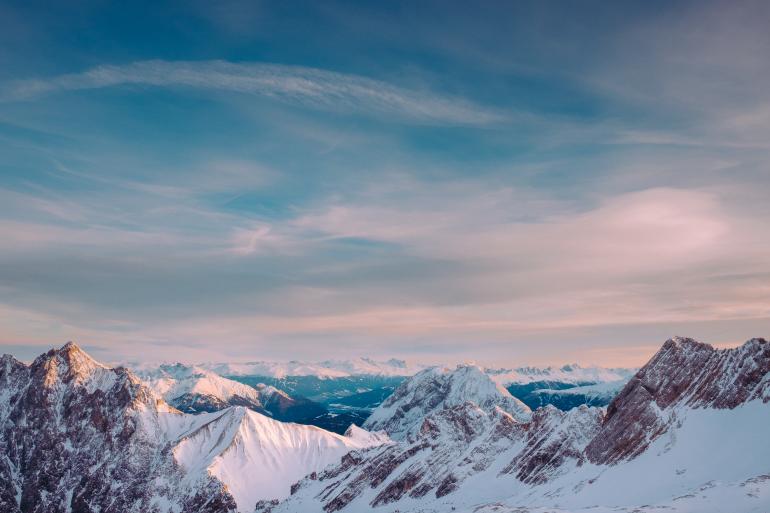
point(353, 388)
point(683, 375)
point(438, 388)
point(687, 433)
point(78, 436)
point(571, 373)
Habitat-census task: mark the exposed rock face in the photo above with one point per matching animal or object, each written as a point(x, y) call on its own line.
point(553, 439)
point(450, 445)
point(77, 436)
point(436, 389)
point(683, 373)
point(454, 444)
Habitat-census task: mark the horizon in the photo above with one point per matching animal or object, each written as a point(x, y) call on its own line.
point(27, 354)
point(538, 183)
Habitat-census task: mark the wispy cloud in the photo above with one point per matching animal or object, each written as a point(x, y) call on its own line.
point(298, 85)
point(607, 186)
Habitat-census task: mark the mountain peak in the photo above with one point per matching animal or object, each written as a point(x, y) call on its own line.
point(70, 345)
point(73, 352)
point(8, 359)
point(70, 363)
point(756, 342)
point(678, 342)
point(435, 389)
point(364, 437)
point(688, 371)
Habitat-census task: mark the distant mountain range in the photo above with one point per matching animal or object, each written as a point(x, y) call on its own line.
point(335, 394)
point(687, 432)
point(325, 369)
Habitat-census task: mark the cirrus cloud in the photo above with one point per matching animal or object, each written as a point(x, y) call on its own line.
point(304, 86)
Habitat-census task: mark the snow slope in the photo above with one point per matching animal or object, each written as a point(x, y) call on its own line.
point(259, 458)
point(711, 461)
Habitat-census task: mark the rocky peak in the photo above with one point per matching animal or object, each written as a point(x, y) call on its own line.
point(68, 364)
point(451, 445)
point(684, 373)
point(79, 436)
point(696, 374)
point(8, 363)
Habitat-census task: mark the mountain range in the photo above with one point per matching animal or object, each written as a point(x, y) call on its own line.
point(686, 432)
point(335, 394)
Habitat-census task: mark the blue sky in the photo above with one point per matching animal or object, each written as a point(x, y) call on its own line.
point(505, 182)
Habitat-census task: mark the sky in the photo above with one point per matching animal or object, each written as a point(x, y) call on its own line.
point(503, 182)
